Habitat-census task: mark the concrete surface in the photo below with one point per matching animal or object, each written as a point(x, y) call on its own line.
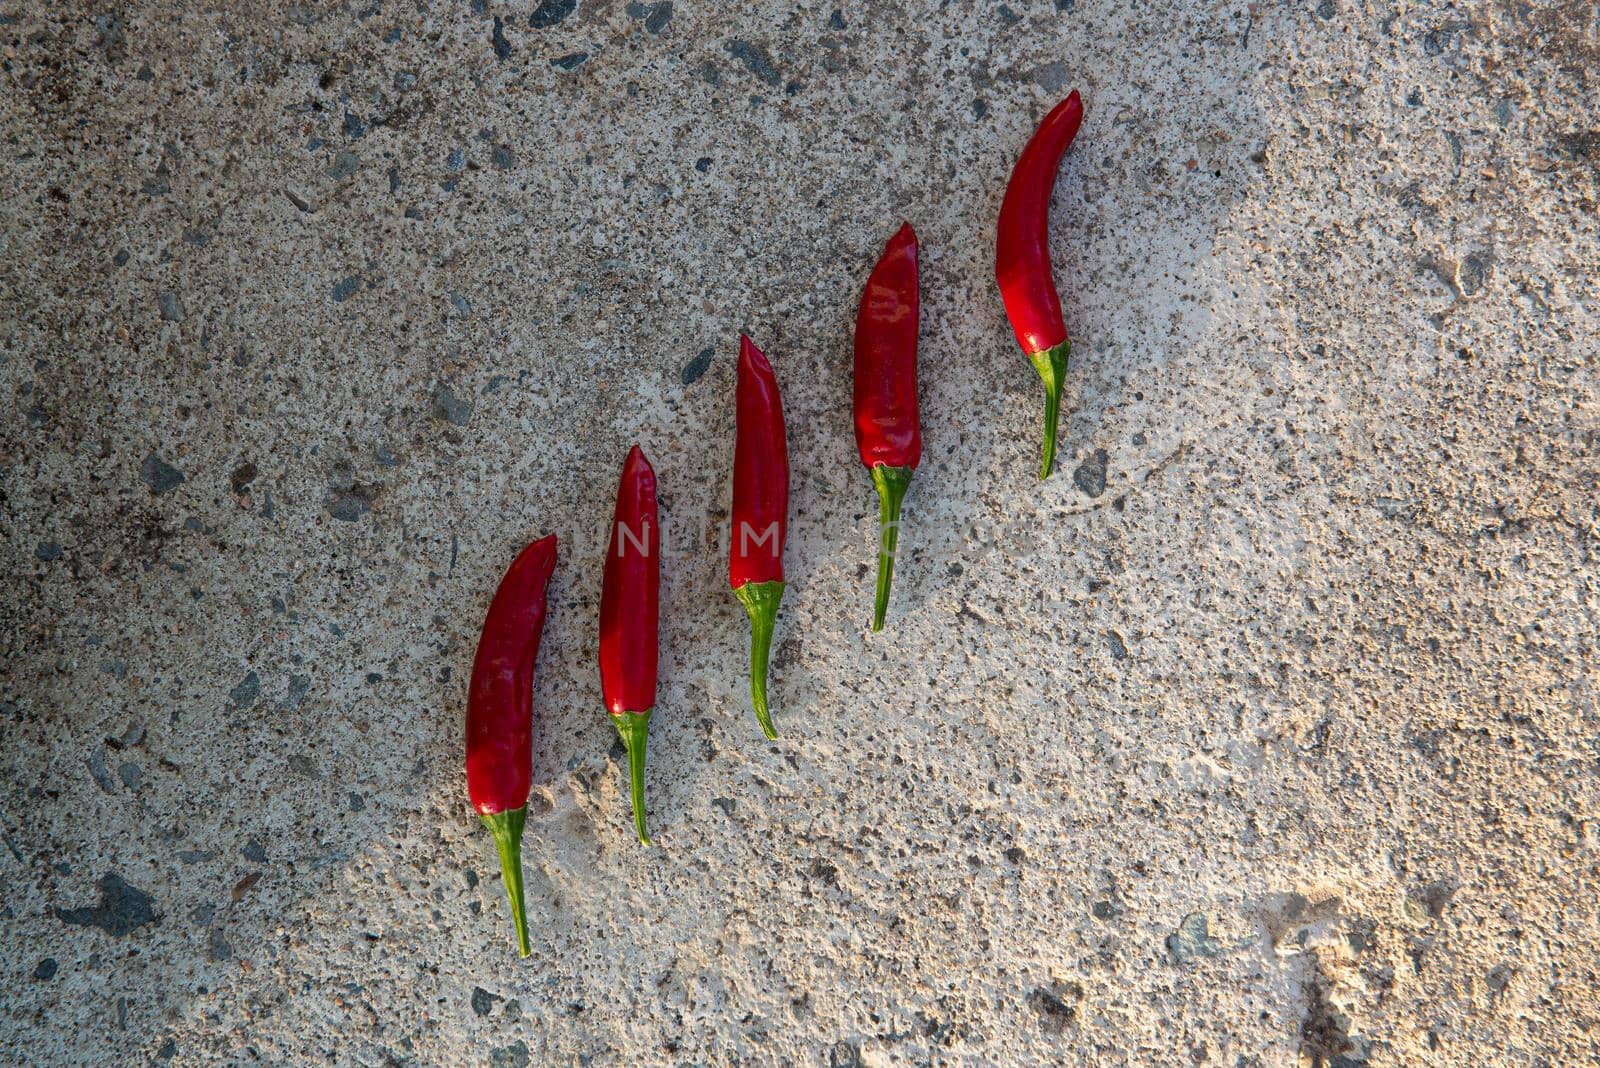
point(1264, 734)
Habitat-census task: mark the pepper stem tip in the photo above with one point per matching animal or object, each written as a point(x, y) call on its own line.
point(635, 730)
point(891, 483)
point(507, 830)
point(760, 600)
point(1051, 364)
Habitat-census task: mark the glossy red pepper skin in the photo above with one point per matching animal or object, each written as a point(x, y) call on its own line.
point(629, 615)
point(888, 423)
point(500, 713)
point(1022, 259)
point(760, 512)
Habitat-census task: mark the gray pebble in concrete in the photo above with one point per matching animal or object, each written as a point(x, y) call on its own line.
point(1056, 1006)
point(845, 1054)
point(1051, 77)
point(447, 406)
point(299, 687)
point(655, 16)
point(344, 165)
point(697, 366)
point(551, 13)
point(98, 770)
point(1090, 475)
point(123, 909)
point(513, 1056)
point(245, 692)
point(218, 945)
point(159, 475)
point(1192, 939)
point(1474, 274)
point(483, 1001)
point(756, 59)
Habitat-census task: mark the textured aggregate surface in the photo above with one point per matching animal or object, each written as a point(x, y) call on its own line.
point(1264, 734)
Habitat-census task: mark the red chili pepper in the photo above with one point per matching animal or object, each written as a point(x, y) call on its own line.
point(888, 429)
point(629, 609)
point(1022, 260)
point(500, 713)
point(760, 512)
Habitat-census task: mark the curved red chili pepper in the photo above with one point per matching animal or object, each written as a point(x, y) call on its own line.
point(760, 512)
point(1022, 259)
point(629, 610)
point(888, 426)
point(500, 713)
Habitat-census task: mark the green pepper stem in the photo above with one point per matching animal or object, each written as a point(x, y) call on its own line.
point(635, 730)
point(760, 600)
point(507, 830)
point(891, 483)
point(1052, 367)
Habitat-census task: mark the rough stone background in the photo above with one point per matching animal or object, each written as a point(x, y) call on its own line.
point(1265, 733)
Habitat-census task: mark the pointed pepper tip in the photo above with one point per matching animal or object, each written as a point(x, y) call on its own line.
point(637, 460)
point(751, 357)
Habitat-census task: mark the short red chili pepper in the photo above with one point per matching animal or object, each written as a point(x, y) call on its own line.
point(760, 512)
point(1022, 260)
point(500, 713)
point(888, 427)
point(629, 610)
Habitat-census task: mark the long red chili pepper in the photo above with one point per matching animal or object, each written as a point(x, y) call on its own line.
point(760, 512)
point(1022, 260)
point(629, 609)
point(888, 428)
point(500, 713)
